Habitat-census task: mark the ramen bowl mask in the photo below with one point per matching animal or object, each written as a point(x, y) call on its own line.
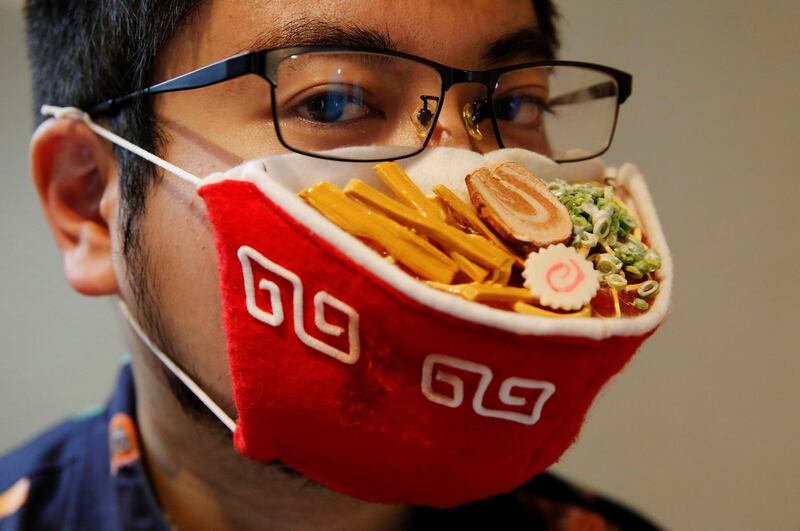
point(374, 384)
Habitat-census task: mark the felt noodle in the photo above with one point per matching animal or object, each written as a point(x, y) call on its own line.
point(617, 309)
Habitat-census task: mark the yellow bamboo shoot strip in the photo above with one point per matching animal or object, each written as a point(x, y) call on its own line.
point(415, 253)
point(501, 276)
point(467, 214)
point(485, 292)
point(441, 208)
point(617, 309)
point(478, 249)
point(469, 268)
point(407, 190)
point(529, 309)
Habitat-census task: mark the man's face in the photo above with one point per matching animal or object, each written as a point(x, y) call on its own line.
point(215, 128)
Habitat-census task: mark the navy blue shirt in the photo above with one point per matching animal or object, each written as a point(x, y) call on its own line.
point(86, 474)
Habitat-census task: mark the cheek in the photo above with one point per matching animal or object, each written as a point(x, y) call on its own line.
point(183, 267)
point(218, 127)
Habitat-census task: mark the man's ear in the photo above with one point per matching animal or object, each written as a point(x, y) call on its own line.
point(75, 175)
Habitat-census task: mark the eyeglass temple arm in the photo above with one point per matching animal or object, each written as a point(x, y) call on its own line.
point(606, 89)
point(230, 68)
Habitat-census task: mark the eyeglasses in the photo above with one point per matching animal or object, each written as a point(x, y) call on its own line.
point(325, 98)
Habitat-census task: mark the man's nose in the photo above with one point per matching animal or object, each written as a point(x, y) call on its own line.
point(454, 129)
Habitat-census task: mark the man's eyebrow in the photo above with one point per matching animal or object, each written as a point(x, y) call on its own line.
point(315, 32)
point(525, 43)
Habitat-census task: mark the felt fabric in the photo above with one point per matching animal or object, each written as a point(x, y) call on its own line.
point(375, 393)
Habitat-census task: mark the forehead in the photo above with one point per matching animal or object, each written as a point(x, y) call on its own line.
point(451, 32)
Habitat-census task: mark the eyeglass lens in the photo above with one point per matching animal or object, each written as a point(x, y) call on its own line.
point(564, 112)
point(329, 100)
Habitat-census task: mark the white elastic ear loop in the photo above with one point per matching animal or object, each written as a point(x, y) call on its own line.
point(177, 371)
point(77, 114)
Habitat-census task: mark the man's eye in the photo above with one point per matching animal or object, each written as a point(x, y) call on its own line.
point(333, 106)
point(522, 109)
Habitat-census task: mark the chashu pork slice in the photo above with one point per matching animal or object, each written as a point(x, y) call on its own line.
point(519, 206)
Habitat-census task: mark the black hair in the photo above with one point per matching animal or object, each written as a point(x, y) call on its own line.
point(547, 16)
point(83, 51)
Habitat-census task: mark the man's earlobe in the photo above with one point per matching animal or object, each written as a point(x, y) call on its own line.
point(75, 176)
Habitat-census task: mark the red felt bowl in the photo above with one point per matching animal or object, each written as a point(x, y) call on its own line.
point(373, 384)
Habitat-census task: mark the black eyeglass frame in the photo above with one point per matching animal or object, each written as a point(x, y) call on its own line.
point(264, 63)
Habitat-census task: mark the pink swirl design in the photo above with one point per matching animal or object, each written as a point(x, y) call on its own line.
point(567, 281)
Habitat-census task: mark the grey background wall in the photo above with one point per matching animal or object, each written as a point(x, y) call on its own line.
point(701, 429)
point(57, 350)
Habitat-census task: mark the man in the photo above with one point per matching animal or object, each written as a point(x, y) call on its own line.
point(156, 458)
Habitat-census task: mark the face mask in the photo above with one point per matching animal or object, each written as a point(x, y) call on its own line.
point(370, 382)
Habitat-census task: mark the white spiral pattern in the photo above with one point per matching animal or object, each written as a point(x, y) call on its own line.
point(434, 369)
point(275, 317)
point(560, 278)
